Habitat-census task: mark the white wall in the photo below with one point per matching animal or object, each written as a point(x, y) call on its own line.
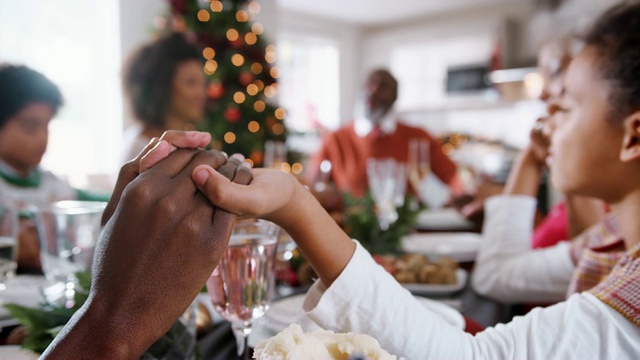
point(136, 28)
point(349, 39)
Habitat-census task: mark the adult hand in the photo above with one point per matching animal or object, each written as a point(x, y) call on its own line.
point(158, 248)
point(156, 150)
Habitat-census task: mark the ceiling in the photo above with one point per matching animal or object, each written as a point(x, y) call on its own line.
point(381, 12)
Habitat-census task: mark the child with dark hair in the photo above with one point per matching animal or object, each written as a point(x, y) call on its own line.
point(165, 85)
point(28, 102)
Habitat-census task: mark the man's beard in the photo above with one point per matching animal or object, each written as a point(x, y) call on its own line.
point(362, 110)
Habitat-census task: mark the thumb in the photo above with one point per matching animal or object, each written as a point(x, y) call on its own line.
point(221, 191)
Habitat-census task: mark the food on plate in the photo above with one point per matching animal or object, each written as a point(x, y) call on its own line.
point(417, 268)
point(293, 344)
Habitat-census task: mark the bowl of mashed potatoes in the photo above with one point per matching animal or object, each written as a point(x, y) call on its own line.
point(294, 344)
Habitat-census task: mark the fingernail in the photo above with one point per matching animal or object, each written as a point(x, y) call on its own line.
point(246, 164)
point(201, 177)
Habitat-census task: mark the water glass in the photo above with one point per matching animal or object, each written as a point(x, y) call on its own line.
point(243, 283)
point(68, 232)
point(8, 241)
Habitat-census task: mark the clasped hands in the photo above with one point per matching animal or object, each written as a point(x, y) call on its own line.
point(160, 242)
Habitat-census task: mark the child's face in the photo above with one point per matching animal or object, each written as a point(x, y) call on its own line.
point(189, 92)
point(23, 138)
point(585, 144)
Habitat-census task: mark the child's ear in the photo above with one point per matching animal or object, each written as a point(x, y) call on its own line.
point(631, 141)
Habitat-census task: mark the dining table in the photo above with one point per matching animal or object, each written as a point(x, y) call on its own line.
point(434, 224)
point(219, 343)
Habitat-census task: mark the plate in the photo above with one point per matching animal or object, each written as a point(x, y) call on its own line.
point(462, 246)
point(25, 290)
point(15, 352)
point(287, 311)
point(447, 219)
point(437, 289)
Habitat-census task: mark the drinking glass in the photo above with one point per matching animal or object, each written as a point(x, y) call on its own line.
point(275, 154)
point(68, 232)
point(8, 242)
point(418, 164)
point(243, 283)
point(387, 183)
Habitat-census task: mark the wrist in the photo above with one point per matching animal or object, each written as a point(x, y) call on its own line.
point(89, 334)
point(322, 242)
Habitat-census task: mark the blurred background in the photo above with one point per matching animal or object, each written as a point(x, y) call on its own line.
point(466, 69)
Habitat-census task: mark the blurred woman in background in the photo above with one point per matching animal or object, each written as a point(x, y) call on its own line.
point(166, 89)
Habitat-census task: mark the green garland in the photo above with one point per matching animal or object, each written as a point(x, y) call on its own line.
point(361, 223)
point(45, 322)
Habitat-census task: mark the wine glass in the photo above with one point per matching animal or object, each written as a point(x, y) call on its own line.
point(418, 164)
point(387, 183)
point(243, 283)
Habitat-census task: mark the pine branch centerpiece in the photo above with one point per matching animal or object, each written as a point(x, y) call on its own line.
point(361, 223)
point(45, 322)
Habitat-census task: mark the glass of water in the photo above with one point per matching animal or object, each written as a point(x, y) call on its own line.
point(8, 241)
point(68, 232)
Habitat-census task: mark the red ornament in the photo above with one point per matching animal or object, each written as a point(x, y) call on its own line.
point(232, 114)
point(257, 156)
point(215, 90)
point(178, 6)
point(245, 78)
point(237, 43)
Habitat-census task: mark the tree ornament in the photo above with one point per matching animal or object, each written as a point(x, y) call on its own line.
point(232, 114)
point(256, 156)
point(245, 78)
point(237, 43)
point(178, 6)
point(215, 90)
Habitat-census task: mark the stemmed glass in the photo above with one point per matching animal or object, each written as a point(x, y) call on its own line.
point(418, 164)
point(243, 283)
point(387, 183)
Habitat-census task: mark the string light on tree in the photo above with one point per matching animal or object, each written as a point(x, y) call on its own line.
point(241, 71)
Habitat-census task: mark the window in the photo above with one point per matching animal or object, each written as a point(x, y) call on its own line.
point(76, 44)
point(309, 82)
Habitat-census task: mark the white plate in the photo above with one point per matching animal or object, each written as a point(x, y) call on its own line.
point(443, 219)
point(287, 311)
point(25, 290)
point(433, 289)
point(462, 246)
point(14, 352)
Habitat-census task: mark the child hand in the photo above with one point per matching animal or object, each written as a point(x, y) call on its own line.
point(267, 197)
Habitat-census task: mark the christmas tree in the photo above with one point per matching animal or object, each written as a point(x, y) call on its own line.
point(240, 115)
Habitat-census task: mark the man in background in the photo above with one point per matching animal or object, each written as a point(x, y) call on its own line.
point(375, 132)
